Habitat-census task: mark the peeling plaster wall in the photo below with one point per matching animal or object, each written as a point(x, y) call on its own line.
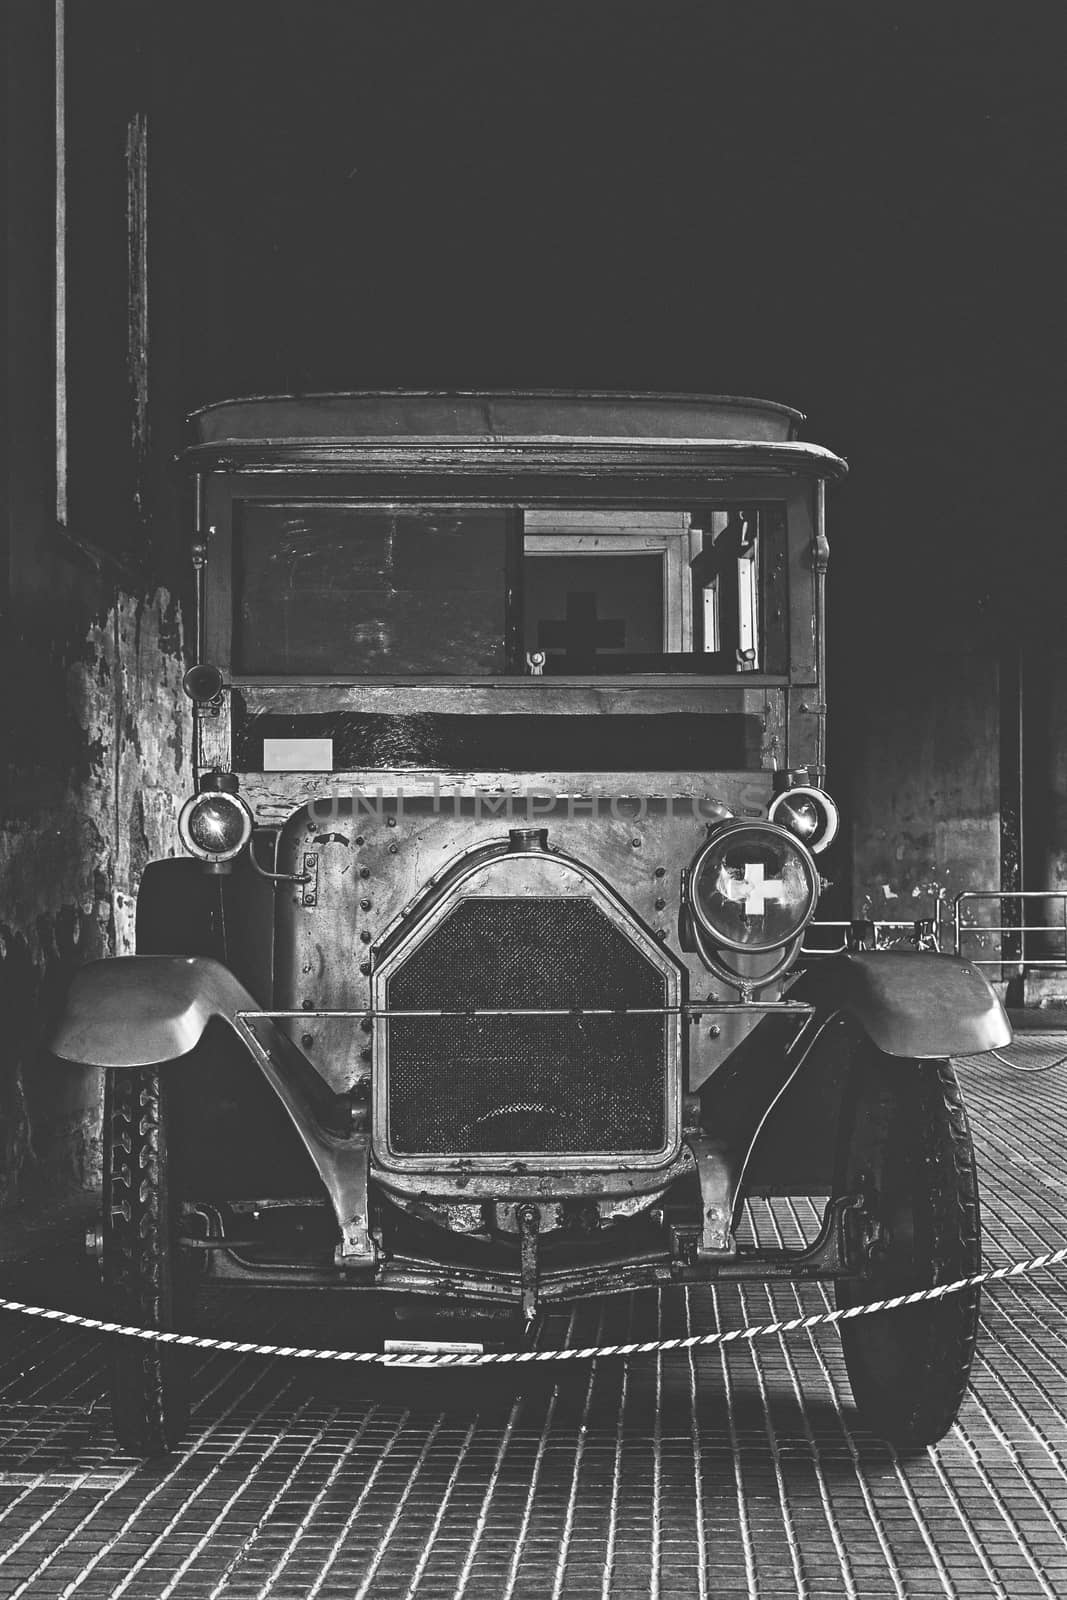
point(96, 731)
point(111, 732)
point(925, 763)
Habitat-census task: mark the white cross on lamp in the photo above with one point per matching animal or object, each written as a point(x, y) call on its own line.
point(752, 891)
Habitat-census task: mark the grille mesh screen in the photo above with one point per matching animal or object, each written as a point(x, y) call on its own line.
point(559, 1085)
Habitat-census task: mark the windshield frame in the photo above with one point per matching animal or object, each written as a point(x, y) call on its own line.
point(222, 491)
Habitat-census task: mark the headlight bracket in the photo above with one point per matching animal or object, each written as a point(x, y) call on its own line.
point(749, 985)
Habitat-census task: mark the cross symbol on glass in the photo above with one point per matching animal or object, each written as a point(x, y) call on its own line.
point(583, 633)
point(753, 890)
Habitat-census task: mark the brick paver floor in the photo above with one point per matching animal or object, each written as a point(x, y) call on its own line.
point(714, 1474)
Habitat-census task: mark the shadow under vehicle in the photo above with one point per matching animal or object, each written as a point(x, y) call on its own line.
point(482, 983)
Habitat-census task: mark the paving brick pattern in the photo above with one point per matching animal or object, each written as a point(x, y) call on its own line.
point(730, 1472)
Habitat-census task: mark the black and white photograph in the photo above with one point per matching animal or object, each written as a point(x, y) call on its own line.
point(533, 828)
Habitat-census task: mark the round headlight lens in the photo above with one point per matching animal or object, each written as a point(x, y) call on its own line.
point(215, 826)
point(809, 813)
point(753, 886)
point(799, 816)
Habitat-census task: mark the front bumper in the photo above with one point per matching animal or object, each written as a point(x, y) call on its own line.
point(421, 1262)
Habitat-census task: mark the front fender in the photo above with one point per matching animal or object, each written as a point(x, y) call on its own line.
point(139, 1011)
point(918, 1005)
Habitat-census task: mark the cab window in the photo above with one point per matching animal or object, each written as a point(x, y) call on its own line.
point(326, 587)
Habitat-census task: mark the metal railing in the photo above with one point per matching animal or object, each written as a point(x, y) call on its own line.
point(1016, 945)
point(868, 934)
point(1015, 933)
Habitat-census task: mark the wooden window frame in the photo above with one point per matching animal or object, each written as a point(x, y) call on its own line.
point(597, 533)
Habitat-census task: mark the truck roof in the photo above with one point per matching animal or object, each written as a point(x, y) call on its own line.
point(332, 430)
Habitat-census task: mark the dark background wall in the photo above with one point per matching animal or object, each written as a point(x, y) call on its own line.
point(856, 210)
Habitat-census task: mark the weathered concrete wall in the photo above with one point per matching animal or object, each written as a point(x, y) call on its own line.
point(95, 733)
point(111, 738)
point(1045, 801)
point(1055, 853)
point(924, 759)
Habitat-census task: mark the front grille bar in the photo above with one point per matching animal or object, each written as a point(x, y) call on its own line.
point(695, 1009)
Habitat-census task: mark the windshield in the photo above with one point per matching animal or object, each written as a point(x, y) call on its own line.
point(327, 587)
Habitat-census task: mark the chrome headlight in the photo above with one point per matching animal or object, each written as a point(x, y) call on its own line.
point(753, 887)
point(807, 812)
point(214, 825)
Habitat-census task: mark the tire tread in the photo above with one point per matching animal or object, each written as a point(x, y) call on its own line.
point(148, 1392)
point(936, 1341)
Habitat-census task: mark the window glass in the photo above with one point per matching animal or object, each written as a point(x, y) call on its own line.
point(587, 611)
point(324, 587)
point(653, 591)
point(329, 588)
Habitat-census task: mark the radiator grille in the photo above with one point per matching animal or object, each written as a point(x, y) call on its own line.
point(501, 1085)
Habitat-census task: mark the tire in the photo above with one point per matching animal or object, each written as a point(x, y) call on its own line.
point(905, 1139)
point(149, 1382)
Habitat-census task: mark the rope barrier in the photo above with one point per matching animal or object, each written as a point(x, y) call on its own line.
point(1053, 1258)
point(1044, 1066)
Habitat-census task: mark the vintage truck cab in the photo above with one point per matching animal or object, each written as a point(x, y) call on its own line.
point(483, 976)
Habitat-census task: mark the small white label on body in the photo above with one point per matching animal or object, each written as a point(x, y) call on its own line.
point(298, 755)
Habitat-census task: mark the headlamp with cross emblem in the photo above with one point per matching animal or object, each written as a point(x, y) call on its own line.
point(753, 887)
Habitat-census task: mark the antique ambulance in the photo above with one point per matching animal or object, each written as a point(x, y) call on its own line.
point(486, 977)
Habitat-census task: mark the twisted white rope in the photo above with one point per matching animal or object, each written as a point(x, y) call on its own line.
point(194, 1341)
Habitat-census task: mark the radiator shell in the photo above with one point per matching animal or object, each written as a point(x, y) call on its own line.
point(540, 933)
